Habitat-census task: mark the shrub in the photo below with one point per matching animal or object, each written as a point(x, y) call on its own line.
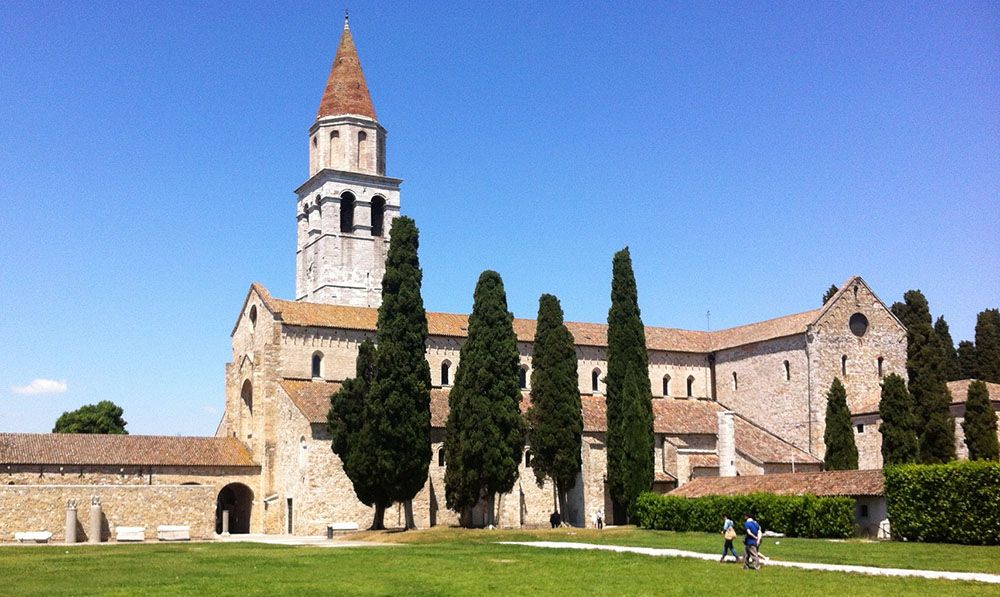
point(958, 502)
point(795, 516)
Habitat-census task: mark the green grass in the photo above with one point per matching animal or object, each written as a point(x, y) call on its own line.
point(885, 554)
point(467, 566)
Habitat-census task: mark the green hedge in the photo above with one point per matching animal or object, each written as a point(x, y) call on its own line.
point(795, 516)
point(950, 503)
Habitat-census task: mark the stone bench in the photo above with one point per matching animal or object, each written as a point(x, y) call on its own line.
point(32, 537)
point(340, 527)
point(173, 532)
point(130, 533)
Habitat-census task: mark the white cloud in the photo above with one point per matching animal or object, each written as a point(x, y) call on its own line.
point(41, 386)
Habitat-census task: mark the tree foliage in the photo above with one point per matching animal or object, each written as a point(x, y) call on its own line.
point(926, 367)
point(980, 425)
point(988, 345)
point(555, 417)
point(484, 437)
point(968, 363)
point(832, 290)
point(898, 427)
point(943, 333)
point(629, 410)
point(841, 451)
point(103, 417)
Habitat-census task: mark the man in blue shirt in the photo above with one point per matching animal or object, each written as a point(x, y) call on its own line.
point(751, 541)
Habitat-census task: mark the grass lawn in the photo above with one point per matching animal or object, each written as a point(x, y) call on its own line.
point(442, 566)
point(886, 554)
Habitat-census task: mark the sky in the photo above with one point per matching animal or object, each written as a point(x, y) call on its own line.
point(748, 154)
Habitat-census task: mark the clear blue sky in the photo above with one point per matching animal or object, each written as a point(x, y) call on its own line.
point(750, 156)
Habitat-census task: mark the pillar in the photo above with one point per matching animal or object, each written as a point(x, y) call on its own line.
point(726, 443)
point(95, 520)
point(70, 533)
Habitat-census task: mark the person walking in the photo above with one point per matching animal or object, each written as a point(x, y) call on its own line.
point(750, 542)
point(728, 533)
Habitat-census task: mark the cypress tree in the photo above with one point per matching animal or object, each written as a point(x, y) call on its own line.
point(899, 436)
point(988, 345)
point(980, 424)
point(948, 346)
point(400, 391)
point(346, 422)
point(555, 417)
point(832, 290)
point(968, 365)
point(627, 473)
point(841, 452)
point(926, 366)
point(484, 437)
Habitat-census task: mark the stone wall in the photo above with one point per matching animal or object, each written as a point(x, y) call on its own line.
point(43, 508)
point(216, 477)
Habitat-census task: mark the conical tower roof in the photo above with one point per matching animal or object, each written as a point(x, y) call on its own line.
point(346, 91)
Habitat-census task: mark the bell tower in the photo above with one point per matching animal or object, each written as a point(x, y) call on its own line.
point(345, 209)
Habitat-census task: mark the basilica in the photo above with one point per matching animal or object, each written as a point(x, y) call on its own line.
point(748, 400)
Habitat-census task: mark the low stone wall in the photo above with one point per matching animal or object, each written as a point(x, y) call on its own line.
point(43, 508)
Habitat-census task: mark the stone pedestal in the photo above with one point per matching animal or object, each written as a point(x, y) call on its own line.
point(95, 520)
point(70, 521)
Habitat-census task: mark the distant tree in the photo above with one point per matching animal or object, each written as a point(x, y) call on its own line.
point(980, 424)
point(841, 451)
point(629, 471)
point(898, 427)
point(400, 412)
point(968, 364)
point(555, 417)
point(103, 417)
point(926, 367)
point(484, 435)
point(948, 346)
point(832, 290)
point(899, 310)
point(988, 345)
point(346, 422)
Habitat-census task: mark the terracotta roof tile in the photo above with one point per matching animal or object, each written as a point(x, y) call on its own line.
point(829, 483)
point(346, 91)
point(765, 447)
point(122, 450)
point(312, 398)
point(959, 391)
point(703, 460)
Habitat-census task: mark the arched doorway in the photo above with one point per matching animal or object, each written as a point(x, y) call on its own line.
point(237, 499)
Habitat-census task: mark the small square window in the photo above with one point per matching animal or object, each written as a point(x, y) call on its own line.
point(860, 428)
point(864, 511)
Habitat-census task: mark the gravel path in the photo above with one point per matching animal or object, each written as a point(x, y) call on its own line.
point(679, 553)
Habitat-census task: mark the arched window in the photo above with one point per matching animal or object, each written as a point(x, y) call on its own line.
point(736, 382)
point(362, 137)
point(690, 387)
point(666, 385)
point(843, 365)
point(522, 377)
point(334, 146)
point(880, 361)
point(317, 364)
point(595, 381)
point(247, 395)
point(253, 317)
point(527, 458)
point(378, 216)
point(446, 373)
point(347, 212)
point(788, 371)
point(440, 456)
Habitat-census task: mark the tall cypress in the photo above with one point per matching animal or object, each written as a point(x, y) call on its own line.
point(484, 437)
point(627, 349)
point(841, 451)
point(980, 424)
point(346, 422)
point(968, 364)
point(832, 290)
point(926, 366)
point(555, 417)
point(898, 427)
point(400, 390)
point(948, 346)
point(988, 345)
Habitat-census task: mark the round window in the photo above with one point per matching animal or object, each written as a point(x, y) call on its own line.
point(858, 324)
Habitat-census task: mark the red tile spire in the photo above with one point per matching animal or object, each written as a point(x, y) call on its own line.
point(346, 91)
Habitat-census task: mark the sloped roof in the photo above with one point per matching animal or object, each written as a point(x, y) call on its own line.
point(121, 450)
point(312, 398)
point(346, 91)
point(765, 447)
point(300, 313)
point(959, 391)
point(827, 483)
